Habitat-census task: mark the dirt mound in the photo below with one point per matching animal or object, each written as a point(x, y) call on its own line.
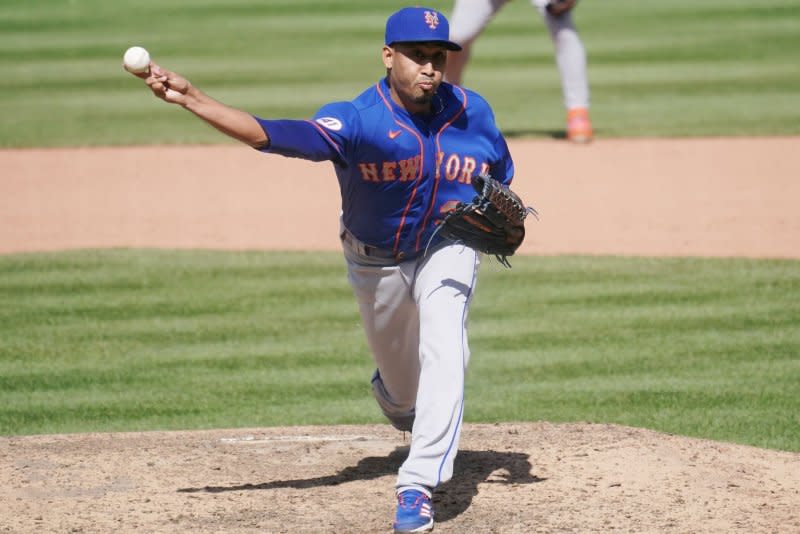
point(537, 477)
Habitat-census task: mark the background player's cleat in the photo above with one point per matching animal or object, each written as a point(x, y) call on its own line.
point(579, 127)
point(414, 512)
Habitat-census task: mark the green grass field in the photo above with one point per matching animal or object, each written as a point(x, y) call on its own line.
point(657, 68)
point(124, 340)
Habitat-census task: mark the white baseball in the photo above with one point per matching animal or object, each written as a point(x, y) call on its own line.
point(136, 59)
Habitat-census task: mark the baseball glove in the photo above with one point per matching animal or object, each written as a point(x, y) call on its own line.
point(559, 7)
point(492, 223)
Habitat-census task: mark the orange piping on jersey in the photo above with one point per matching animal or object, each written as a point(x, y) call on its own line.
point(328, 137)
point(438, 150)
point(419, 176)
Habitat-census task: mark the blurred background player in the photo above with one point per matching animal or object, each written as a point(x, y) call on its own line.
point(470, 17)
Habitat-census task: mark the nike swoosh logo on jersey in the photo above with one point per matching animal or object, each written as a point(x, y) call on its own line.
point(395, 133)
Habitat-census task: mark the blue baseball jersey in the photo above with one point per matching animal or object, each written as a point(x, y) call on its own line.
point(399, 173)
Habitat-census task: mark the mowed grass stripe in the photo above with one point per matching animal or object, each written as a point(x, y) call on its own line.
point(660, 68)
point(136, 339)
point(680, 349)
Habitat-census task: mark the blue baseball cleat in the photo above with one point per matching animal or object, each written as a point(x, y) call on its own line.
point(414, 512)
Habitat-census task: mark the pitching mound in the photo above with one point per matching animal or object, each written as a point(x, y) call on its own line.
point(510, 478)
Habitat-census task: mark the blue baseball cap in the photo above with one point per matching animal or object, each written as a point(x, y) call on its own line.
point(419, 24)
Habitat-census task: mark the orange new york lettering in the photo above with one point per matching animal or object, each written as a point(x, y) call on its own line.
point(466, 171)
point(369, 172)
point(408, 169)
point(388, 171)
point(439, 160)
point(452, 167)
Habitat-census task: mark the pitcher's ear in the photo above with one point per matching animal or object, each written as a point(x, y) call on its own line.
point(387, 54)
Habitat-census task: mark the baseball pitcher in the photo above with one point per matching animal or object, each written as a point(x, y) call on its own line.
point(405, 152)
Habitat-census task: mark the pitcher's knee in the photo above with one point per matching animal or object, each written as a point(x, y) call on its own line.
point(401, 416)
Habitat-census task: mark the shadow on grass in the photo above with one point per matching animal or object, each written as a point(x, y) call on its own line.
point(450, 499)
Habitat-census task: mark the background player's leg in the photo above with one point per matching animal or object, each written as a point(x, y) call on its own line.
point(443, 289)
point(571, 60)
point(391, 323)
point(467, 21)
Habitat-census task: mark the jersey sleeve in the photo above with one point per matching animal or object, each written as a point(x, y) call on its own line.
point(329, 135)
point(501, 165)
point(502, 169)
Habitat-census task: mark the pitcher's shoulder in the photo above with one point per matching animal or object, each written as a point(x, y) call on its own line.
point(468, 98)
point(369, 99)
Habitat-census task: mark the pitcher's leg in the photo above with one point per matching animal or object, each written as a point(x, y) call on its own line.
point(391, 324)
point(443, 288)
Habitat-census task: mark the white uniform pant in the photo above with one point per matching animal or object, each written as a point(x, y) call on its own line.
point(415, 318)
point(470, 17)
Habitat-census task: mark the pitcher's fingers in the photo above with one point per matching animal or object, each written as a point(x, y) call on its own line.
point(158, 87)
point(158, 71)
point(143, 75)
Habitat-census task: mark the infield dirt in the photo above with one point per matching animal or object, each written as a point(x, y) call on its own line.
point(710, 197)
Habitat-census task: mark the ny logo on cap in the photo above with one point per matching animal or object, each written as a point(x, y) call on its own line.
point(432, 19)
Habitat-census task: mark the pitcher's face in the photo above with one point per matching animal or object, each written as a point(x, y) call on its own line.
point(415, 73)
